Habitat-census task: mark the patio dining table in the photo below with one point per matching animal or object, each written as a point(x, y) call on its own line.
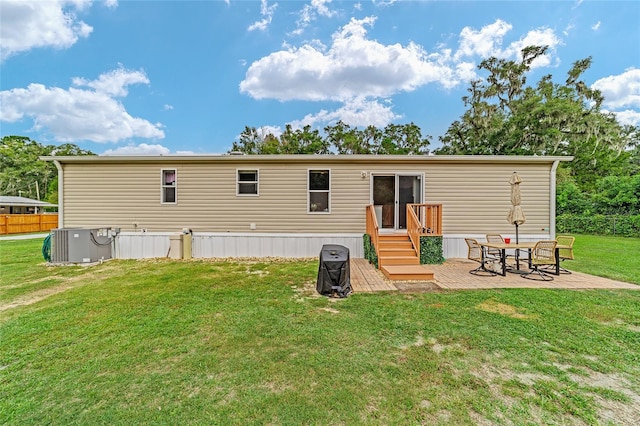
point(525, 245)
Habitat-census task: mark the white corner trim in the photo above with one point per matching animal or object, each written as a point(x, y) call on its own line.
point(60, 193)
point(552, 200)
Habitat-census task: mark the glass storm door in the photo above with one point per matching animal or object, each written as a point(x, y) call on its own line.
point(391, 194)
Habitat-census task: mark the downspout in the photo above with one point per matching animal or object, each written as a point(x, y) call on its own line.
point(60, 193)
point(552, 199)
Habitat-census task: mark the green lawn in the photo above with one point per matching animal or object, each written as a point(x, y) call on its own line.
point(198, 342)
point(612, 257)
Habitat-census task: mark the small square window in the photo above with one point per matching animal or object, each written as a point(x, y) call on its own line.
point(247, 181)
point(169, 186)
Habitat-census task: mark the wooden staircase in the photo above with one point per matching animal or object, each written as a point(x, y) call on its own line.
point(398, 260)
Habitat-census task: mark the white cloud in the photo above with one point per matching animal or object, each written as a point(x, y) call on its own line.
point(321, 7)
point(310, 12)
point(358, 71)
point(485, 42)
point(538, 37)
point(383, 3)
point(274, 130)
point(466, 71)
point(144, 149)
point(488, 41)
point(167, 107)
point(622, 90)
point(355, 112)
point(567, 30)
point(352, 66)
point(111, 3)
point(114, 82)
point(53, 23)
point(141, 149)
point(267, 12)
point(629, 117)
point(596, 26)
point(77, 113)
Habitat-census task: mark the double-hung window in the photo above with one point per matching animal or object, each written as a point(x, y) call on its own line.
point(169, 186)
point(319, 185)
point(247, 182)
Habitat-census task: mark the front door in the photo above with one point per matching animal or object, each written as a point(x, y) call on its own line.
point(390, 196)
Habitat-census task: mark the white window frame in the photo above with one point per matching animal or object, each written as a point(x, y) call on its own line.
point(164, 186)
point(310, 191)
point(238, 182)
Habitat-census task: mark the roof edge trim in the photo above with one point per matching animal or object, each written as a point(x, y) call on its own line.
point(304, 158)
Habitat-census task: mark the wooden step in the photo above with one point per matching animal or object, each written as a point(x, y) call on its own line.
point(394, 241)
point(393, 237)
point(398, 260)
point(396, 245)
point(407, 272)
point(396, 251)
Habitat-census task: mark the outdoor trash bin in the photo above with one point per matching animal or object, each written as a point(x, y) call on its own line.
point(333, 271)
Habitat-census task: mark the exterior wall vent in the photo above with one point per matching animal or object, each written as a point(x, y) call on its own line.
point(59, 245)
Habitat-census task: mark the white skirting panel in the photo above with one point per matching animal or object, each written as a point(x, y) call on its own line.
point(141, 245)
point(206, 245)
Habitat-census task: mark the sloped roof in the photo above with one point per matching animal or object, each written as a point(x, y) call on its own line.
point(7, 200)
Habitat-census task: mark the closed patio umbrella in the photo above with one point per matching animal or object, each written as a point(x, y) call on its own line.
point(516, 215)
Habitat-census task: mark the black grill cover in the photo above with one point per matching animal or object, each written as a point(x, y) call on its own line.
point(333, 271)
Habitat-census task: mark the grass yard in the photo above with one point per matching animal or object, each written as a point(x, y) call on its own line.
point(201, 342)
point(617, 258)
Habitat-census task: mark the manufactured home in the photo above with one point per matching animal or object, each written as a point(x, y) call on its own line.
point(290, 205)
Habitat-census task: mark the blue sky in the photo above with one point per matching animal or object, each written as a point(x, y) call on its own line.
point(167, 77)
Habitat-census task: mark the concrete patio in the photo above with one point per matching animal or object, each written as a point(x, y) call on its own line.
point(454, 275)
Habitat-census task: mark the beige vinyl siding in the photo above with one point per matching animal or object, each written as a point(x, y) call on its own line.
point(121, 195)
point(475, 195)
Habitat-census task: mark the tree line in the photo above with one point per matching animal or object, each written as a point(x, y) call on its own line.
point(340, 138)
point(23, 174)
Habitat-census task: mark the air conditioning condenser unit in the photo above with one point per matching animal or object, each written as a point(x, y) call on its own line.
point(76, 245)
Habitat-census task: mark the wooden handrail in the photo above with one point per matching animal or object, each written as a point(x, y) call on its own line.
point(423, 219)
point(414, 229)
point(372, 227)
point(429, 217)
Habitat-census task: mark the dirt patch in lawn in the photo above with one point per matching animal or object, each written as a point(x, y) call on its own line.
point(502, 309)
point(416, 286)
point(305, 291)
point(26, 283)
point(608, 410)
point(88, 277)
point(34, 297)
point(613, 411)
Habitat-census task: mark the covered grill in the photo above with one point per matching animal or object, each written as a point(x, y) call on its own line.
point(333, 271)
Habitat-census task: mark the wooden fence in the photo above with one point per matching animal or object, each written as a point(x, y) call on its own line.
point(22, 223)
